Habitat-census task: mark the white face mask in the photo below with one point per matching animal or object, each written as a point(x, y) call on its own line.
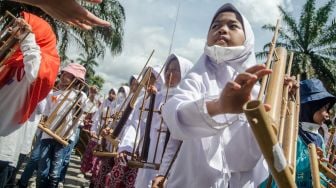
point(220, 54)
point(120, 97)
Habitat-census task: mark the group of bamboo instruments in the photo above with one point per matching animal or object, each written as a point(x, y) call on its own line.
point(141, 160)
point(8, 39)
point(323, 169)
point(276, 131)
point(64, 119)
point(122, 115)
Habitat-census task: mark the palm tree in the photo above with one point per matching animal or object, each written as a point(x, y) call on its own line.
point(97, 80)
point(93, 41)
point(313, 41)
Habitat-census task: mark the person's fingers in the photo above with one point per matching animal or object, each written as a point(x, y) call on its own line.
point(244, 78)
point(82, 25)
point(262, 73)
point(267, 107)
point(255, 68)
point(94, 20)
point(233, 85)
point(94, 1)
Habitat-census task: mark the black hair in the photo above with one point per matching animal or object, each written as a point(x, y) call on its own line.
point(168, 63)
point(121, 89)
point(111, 91)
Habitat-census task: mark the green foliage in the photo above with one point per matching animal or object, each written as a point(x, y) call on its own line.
point(313, 41)
point(93, 42)
point(96, 80)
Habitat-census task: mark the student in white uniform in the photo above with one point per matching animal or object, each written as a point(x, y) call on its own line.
point(30, 71)
point(52, 152)
point(176, 67)
point(219, 149)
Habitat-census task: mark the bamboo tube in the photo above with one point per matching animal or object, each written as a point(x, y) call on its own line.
point(289, 135)
point(275, 86)
point(314, 165)
point(284, 107)
point(262, 127)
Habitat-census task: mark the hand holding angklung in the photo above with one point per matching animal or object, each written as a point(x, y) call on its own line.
point(157, 182)
point(237, 92)
point(292, 84)
point(151, 89)
point(20, 28)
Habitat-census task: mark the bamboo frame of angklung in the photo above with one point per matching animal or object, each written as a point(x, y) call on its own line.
point(82, 142)
point(317, 167)
point(62, 122)
point(99, 150)
point(141, 161)
point(265, 125)
point(124, 112)
point(8, 41)
point(113, 138)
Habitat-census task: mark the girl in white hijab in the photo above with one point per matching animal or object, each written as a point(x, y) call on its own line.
point(175, 68)
point(219, 149)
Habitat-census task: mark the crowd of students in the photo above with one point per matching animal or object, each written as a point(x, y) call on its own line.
point(194, 110)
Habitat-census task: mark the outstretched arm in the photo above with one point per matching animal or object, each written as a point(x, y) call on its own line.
point(69, 11)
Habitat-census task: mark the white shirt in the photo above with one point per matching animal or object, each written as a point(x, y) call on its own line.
point(12, 97)
point(53, 102)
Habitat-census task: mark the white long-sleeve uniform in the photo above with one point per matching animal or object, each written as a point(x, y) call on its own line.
point(223, 147)
point(13, 96)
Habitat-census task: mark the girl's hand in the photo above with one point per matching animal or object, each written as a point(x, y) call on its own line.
point(158, 182)
point(152, 89)
point(237, 92)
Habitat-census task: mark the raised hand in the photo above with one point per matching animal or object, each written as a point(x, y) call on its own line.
point(237, 92)
point(69, 11)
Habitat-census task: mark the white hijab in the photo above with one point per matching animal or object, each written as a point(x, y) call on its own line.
point(206, 80)
point(185, 66)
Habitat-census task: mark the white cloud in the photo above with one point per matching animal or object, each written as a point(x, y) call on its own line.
point(260, 11)
point(192, 49)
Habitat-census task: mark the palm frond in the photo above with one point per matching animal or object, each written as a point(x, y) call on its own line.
point(320, 20)
point(305, 22)
point(292, 26)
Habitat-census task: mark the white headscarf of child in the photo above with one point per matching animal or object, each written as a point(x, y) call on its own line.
point(238, 57)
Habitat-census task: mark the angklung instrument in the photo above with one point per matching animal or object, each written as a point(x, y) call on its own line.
point(8, 39)
point(101, 149)
point(271, 129)
point(121, 117)
point(84, 135)
point(65, 118)
point(141, 161)
point(321, 170)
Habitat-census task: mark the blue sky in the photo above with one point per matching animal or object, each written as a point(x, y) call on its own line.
point(149, 25)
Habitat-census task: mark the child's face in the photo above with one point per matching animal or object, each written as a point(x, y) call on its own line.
point(173, 69)
point(112, 95)
point(134, 85)
point(226, 31)
point(66, 78)
point(321, 115)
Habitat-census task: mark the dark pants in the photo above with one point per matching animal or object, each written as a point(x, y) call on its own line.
point(5, 173)
point(67, 155)
point(11, 180)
